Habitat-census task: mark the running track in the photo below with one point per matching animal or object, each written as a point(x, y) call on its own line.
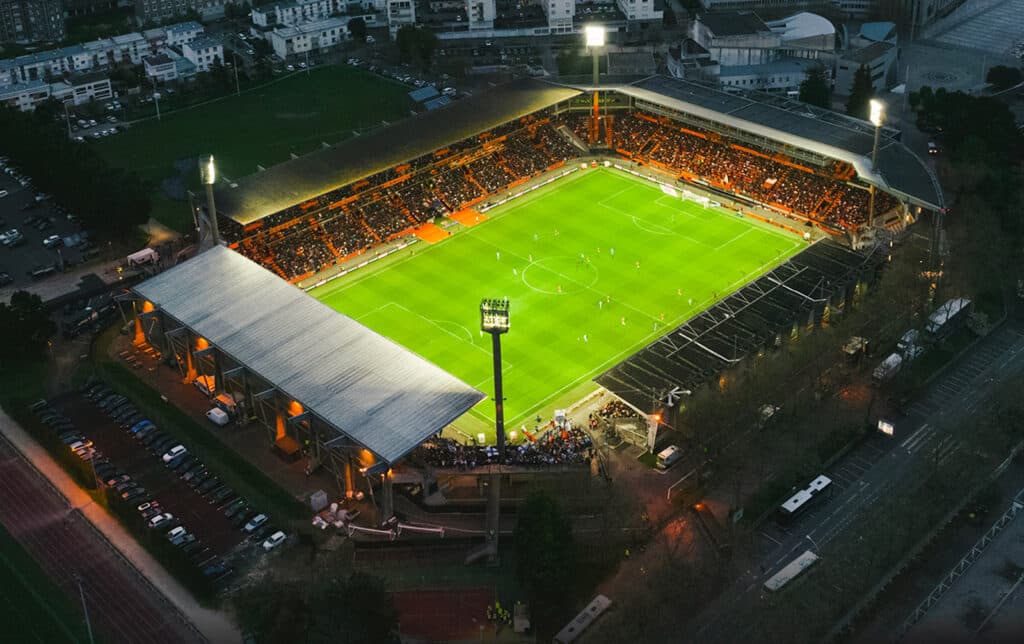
point(123, 606)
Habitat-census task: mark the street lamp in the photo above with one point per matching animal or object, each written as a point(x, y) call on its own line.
point(208, 173)
point(156, 102)
point(494, 319)
point(877, 111)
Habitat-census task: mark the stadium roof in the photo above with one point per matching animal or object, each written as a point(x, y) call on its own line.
point(298, 180)
point(372, 390)
point(794, 123)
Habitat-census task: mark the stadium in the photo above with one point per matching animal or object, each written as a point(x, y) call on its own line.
point(648, 236)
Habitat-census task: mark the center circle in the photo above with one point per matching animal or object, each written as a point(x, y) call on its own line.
point(560, 275)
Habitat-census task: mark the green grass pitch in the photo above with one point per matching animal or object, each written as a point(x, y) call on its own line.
point(596, 266)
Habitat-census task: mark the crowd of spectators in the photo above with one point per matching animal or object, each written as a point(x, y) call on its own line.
point(549, 445)
point(314, 235)
point(826, 199)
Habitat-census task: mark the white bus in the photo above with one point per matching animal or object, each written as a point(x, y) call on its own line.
point(581, 622)
point(792, 570)
point(819, 488)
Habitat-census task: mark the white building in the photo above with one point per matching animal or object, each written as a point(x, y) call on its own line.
point(160, 67)
point(309, 37)
point(82, 89)
point(400, 12)
point(25, 96)
point(129, 48)
point(297, 12)
point(741, 51)
point(879, 57)
point(203, 52)
point(481, 13)
point(639, 10)
point(559, 14)
point(181, 33)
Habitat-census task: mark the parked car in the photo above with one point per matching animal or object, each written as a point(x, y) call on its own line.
point(160, 519)
point(174, 452)
point(274, 541)
point(255, 523)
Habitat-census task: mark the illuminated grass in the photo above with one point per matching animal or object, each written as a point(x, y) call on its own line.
point(572, 317)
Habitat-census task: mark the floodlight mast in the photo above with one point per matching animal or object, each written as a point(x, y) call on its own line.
point(595, 39)
point(494, 319)
point(877, 112)
point(208, 173)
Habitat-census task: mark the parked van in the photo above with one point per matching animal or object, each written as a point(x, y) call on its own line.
point(668, 456)
point(218, 417)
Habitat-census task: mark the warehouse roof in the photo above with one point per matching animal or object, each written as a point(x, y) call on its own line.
point(370, 389)
point(312, 175)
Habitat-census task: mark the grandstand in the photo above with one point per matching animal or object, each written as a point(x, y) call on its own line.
point(809, 165)
point(787, 168)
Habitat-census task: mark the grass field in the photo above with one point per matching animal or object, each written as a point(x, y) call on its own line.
point(262, 126)
point(596, 265)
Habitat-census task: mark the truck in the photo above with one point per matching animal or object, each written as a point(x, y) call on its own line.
point(947, 318)
point(888, 368)
point(146, 256)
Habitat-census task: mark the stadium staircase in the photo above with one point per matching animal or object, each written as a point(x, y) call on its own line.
point(369, 229)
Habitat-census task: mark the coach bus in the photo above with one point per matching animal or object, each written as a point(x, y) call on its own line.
point(792, 570)
point(795, 505)
point(581, 622)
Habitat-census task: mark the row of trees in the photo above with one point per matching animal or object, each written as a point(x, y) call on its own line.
point(27, 329)
point(108, 200)
point(416, 45)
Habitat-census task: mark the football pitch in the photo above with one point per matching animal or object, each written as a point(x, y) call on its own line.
point(595, 265)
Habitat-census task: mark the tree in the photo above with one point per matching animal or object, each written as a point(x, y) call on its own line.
point(860, 93)
point(27, 327)
point(356, 610)
point(815, 88)
point(1003, 77)
point(426, 43)
point(545, 553)
point(357, 27)
point(406, 41)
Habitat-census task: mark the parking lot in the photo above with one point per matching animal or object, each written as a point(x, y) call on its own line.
point(34, 232)
point(156, 483)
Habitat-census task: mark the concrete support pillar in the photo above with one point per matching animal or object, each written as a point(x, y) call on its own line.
point(387, 499)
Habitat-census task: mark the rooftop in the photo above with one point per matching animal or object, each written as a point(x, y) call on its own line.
point(868, 54)
point(157, 59)
point(734, 23)
point(314, 174)
point(878, 31)
point(375, 392)
point(802, 25)
point(202, 42)
point(775, 67)
point(191, 25)
point(309, 27)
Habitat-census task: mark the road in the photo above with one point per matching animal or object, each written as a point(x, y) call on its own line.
point(123, 606)
point(865, 472)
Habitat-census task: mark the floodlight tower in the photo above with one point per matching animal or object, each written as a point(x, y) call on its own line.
point(876, 118)
point(595, 40)
point(494, 319)
point(208, 173)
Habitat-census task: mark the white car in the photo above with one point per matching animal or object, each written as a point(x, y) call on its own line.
point(255, 522)
point(4, 193)
point(274, 541)
point(175, 533)
point(52, 241)
point(174, 453)
point(160, 519)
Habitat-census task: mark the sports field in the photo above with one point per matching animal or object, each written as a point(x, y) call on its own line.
point(596, 265)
